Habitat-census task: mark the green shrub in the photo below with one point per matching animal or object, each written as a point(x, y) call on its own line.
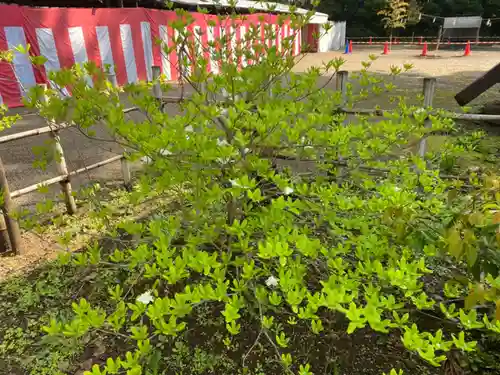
point(292, 219)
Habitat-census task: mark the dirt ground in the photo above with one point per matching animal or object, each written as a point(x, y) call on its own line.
point(452, 70)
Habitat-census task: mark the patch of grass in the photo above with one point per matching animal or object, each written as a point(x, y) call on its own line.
point(26, 305)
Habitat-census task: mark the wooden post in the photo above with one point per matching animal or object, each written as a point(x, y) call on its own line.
point(440, 34)
point(127, 180)
point(112, 78)
point(341, 85)
point(62, 169)
point(156, 82)
point(9, 208)
point(429, 89)
point(4, 236)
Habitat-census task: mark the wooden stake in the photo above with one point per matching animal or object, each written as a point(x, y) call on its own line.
point(9, 209)
point(429, 89)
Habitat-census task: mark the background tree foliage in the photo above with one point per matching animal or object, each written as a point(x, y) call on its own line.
point(362, 18)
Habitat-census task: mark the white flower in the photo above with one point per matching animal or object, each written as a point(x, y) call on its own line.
point(271, 281)
point(288, 190)
point(235, 183)
point(162, 152)
point(188, 128)
point(223, 160)
point(145, 298)
point(397, 188)
point(221, 142)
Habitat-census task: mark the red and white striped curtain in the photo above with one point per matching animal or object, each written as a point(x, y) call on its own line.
point(123, 38)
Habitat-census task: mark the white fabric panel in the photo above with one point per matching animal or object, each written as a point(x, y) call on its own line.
point(243, 44)
point(148, 49)
point(22, 65)
point(128, 53)
point(214, 68)
point(47, 45)
point(77, 42)
point(165, 59)
point(279, 32)
point(297, 36)
point(234, 43)
point(286, 34)
point(198, 42)
point(105, 47)
point(267, 39)
point(185, 54)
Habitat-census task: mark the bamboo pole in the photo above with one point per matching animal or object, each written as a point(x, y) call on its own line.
point(32, 133)
point(54, 180)
point(9, 208)
point(62, 168)
point(124, 162)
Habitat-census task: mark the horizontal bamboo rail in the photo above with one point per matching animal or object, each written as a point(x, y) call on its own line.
point(32, 133)
point(452, 115)
point(53, 180)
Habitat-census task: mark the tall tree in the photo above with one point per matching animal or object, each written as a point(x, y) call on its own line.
point(395, 15)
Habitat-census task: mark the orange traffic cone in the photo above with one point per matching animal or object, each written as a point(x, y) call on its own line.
point(467, 49)
point(386, 48)
point(424, 50)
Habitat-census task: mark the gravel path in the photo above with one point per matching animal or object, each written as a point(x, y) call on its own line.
point(451, 69)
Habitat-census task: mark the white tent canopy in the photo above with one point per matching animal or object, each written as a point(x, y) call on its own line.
point(317, 18)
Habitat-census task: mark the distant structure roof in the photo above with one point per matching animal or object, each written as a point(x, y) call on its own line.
point(317, 18)
point(462, 22)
